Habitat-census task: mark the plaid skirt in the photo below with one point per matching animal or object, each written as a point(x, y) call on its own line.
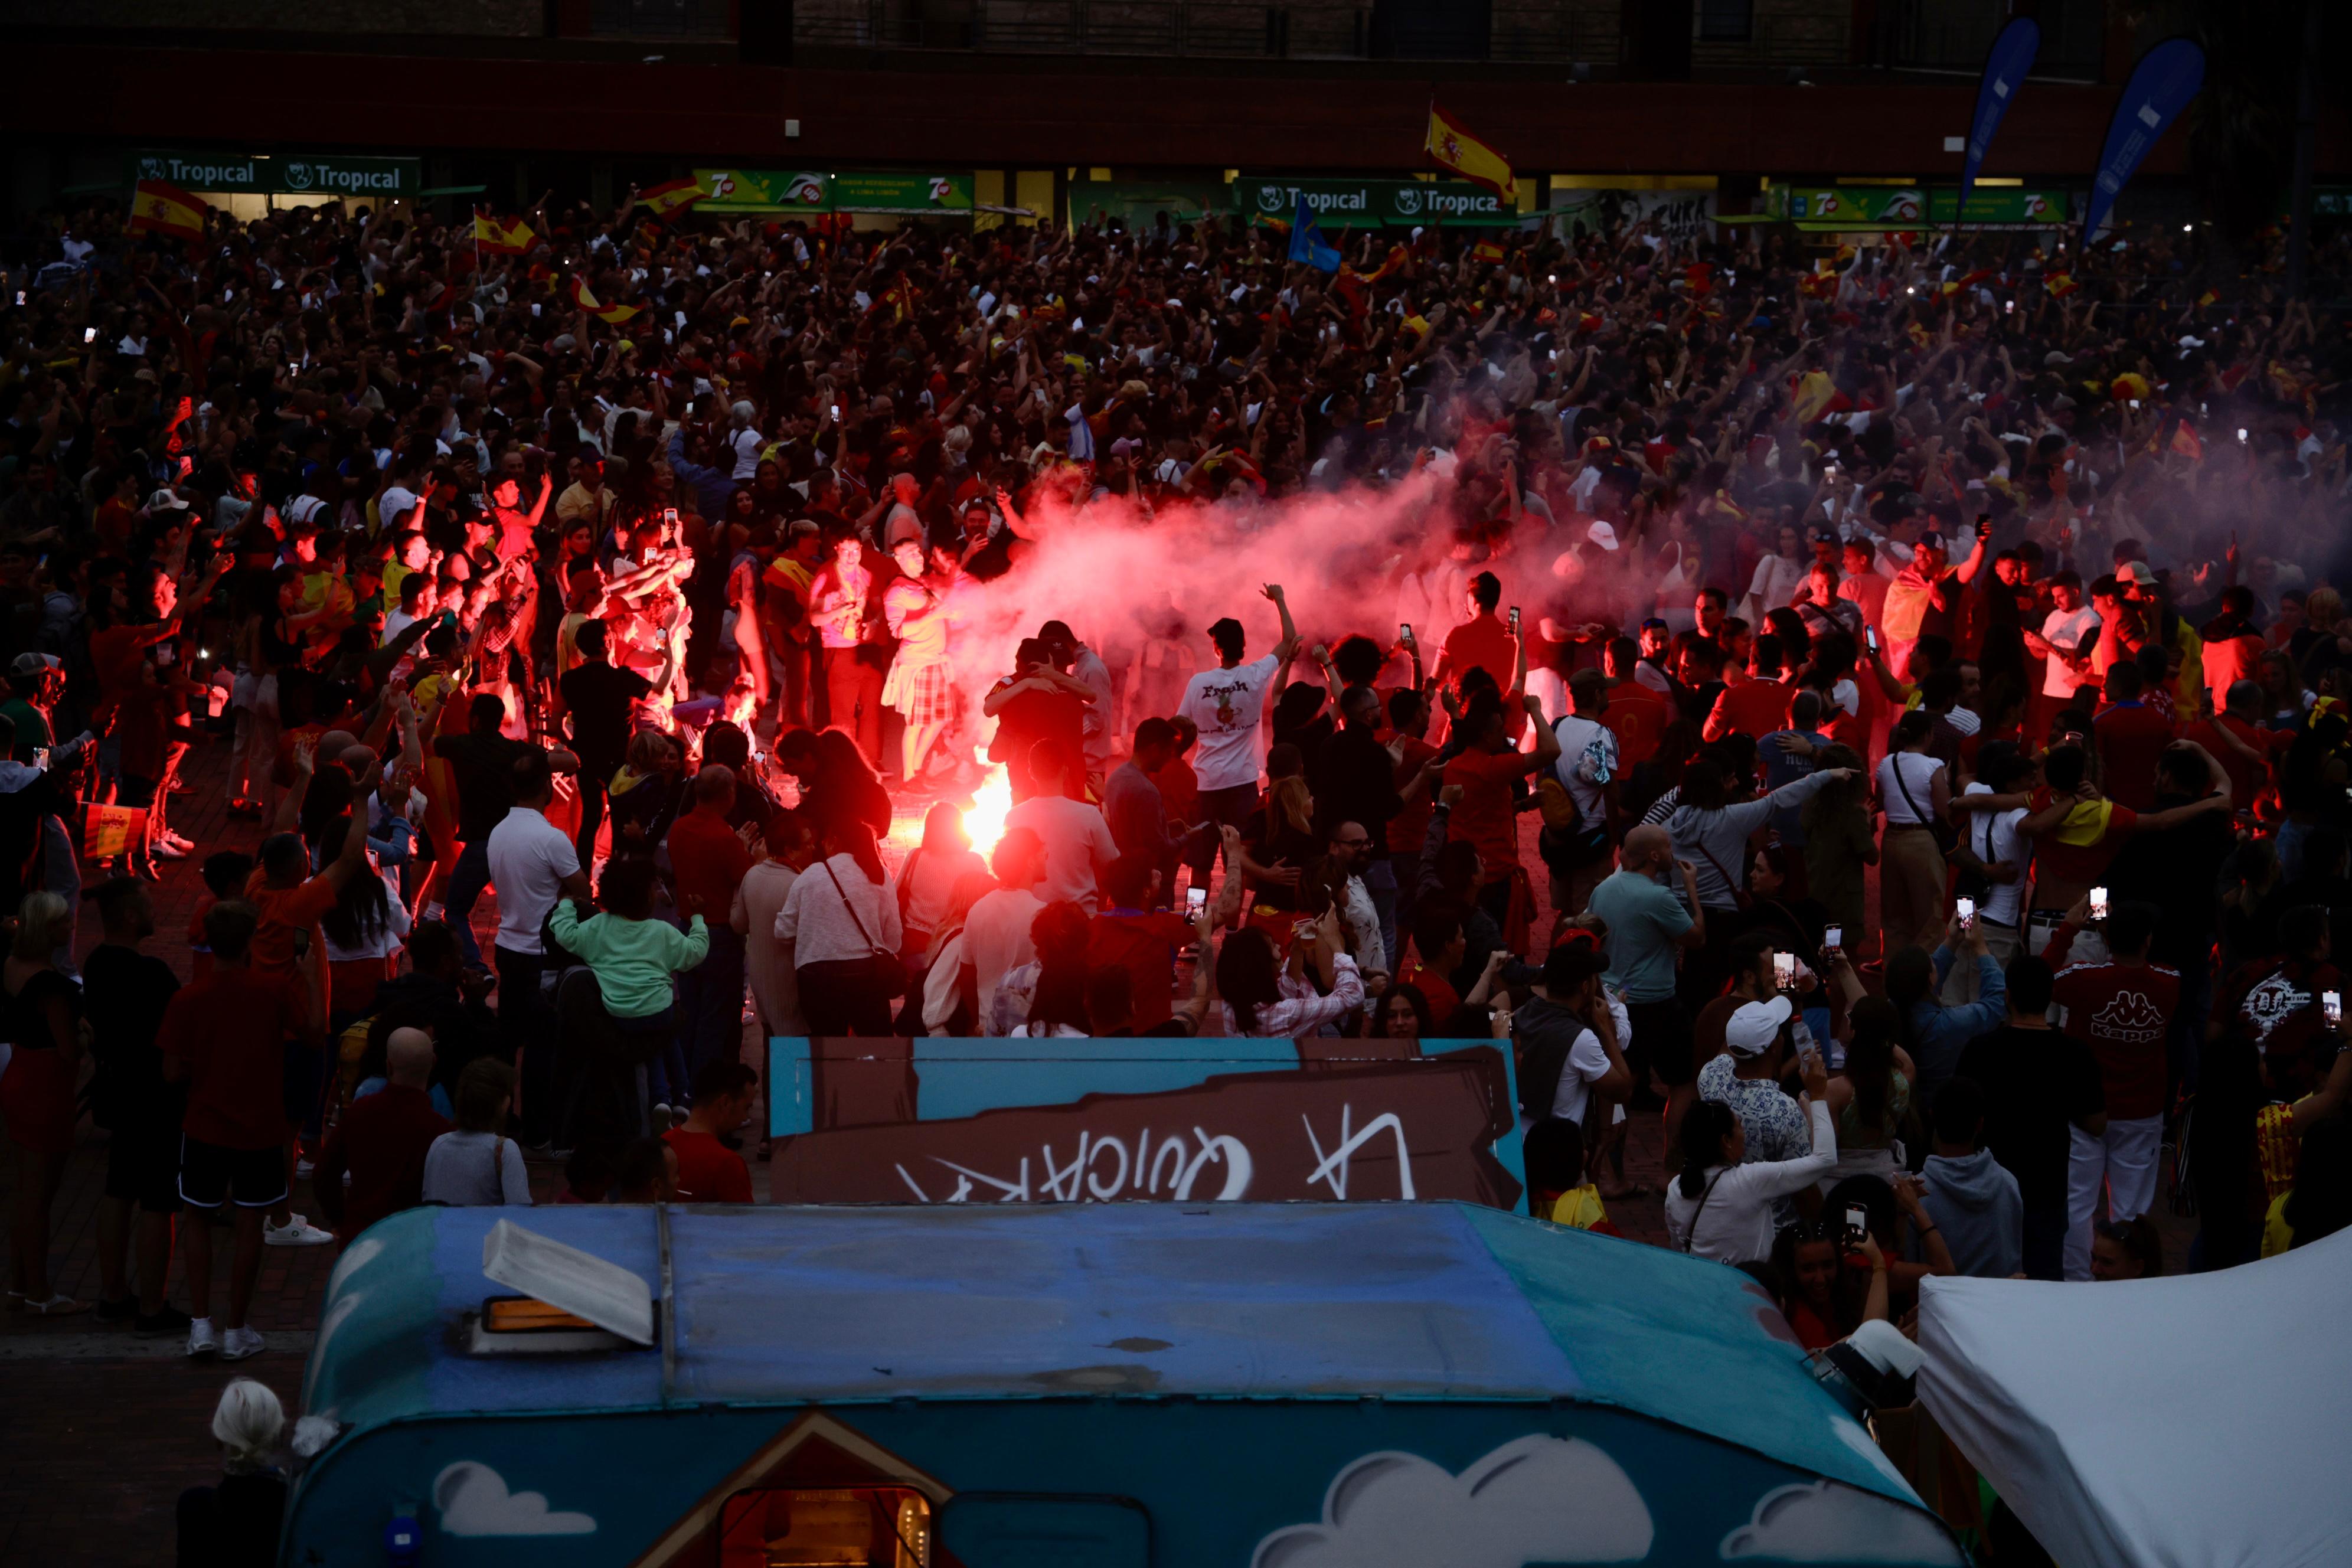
point(925, 694)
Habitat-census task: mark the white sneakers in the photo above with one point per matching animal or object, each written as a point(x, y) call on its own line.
point(203, 1340)
point(240, 1343)
point(297, 1231)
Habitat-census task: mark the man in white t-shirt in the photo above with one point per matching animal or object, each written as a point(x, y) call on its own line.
point(532, 864)
point(2068, 635)
point(1228, 705)
point(1079, 849)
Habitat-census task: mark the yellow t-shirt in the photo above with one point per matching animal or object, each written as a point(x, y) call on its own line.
point(1578, 1208)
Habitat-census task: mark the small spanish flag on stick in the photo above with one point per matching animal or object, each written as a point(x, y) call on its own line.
point(585, 298)
point(663, 200)
point(160, 208)
point(1453, 147)
point(509, 236)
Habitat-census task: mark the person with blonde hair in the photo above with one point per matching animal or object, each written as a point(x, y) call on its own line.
point(237, 1520)
point(43, 1013)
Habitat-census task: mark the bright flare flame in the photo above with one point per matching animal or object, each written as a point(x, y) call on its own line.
point(984, 823)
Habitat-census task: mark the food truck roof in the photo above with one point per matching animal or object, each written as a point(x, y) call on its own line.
point(1152, 1301)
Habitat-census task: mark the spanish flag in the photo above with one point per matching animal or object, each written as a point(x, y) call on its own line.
point(586, 300)
point(2184, 442)
point(1488, 250)
point(897, 302)
point(666, 199)
point(1452, 147)
point(2058, 285)
point(502, 237)
point(158, 209)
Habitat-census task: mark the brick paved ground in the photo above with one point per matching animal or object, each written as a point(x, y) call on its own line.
point(104, 1430)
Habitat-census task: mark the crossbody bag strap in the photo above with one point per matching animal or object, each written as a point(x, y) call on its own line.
point(853, 917)
point(1690, 1235)
point(1735, 888)
point(1903, 786)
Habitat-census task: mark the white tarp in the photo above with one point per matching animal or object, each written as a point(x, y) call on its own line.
point(578, 1283)
point(2197, 1420)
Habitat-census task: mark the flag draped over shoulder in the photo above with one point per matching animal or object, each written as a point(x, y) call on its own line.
point(502, 236)
point(1453, 147)
point(160, 208)
point(585, 298)
point(663, 200)
point(894, 303)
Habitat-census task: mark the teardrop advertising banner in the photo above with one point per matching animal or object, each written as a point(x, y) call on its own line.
point(2006, 64)
point(2162, 86)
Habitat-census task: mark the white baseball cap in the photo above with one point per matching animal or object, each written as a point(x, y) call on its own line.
point(1754, 1028)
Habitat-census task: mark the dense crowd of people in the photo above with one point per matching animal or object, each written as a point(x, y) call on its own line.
point(1885, 712)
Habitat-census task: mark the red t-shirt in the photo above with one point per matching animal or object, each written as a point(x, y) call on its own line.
point(285, 914)
point(229, 1031)
point(2084, 863)
point(709, 860)
point(1753, 708)
point(1638, 717)
point(1409, 827)
point(707, 1171)
point(2130, 736)
point(1180, 790)
point(1483, 816)
point(1482, 643)
point(116, 654)
point(1145, 946)
point(2121, 1012)
point(2248, 779)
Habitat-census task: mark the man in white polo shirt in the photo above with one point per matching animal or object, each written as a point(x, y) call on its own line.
point(532, 864)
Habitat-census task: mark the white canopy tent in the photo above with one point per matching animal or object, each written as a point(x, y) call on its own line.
point(2198, 1421)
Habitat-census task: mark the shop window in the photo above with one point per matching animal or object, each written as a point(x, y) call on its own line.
point(1726, 21)
point(826, 1527)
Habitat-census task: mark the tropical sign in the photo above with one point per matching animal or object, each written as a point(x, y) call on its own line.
point(291, 173)
point(1373, 204)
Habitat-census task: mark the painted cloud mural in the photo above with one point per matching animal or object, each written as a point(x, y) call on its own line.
point(474, 1500)
point(1822, 1521)
point(1535, 1500)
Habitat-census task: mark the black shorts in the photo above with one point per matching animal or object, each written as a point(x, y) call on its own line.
point(134, 793)
point(1662, 1037)
point(208, 1172)
point(143, 1163)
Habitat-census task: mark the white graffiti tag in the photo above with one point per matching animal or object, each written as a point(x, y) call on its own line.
point(1106, 1168)
point(1332, 1170)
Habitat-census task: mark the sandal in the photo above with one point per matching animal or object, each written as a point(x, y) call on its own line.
point(57, 1307)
